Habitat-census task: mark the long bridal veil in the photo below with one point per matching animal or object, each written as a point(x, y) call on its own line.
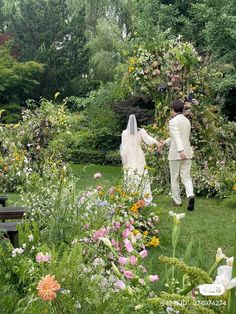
point(135, 175)
point(129, 145)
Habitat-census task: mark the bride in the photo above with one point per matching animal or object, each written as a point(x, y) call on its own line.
point(136, 177)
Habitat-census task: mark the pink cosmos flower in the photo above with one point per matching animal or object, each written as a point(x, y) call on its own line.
point(126, 233)
point(143, 253)
point(113, 242)
point(117, 224)
point(123, 260)
point(133, 260)
point(39, 257)
point(47, 258)
point(128, 274)
point(153, 278)
point(128, 245)
point(100, 233)
point(120, 284)
point(97, 175)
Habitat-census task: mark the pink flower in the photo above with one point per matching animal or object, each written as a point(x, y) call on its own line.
point(142, 282)
point(117, 225)
point(128, 274)
point(126, 233)
point(47, 258)
point(133, 260)
point(120, 284)
point(113, 242)
point(153, 278)
point(127, 224)
point(100, 233)
point(97, 175)
point(39, 257)
point(123, 260)
point(111, 190)
point(143, 253)
point(128, 245)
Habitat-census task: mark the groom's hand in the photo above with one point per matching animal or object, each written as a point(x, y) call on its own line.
point(182, 155)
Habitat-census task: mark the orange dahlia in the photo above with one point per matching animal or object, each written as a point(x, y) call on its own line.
point(141, 203)
point(47, 288)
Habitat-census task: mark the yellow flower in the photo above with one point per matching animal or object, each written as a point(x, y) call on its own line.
point(234, 187)
point(145, 233)
point(154, 241)
point(135, 232)
point(134, 208)
point(131, 69)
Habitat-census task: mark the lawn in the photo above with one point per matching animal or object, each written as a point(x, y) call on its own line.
point(210, 225)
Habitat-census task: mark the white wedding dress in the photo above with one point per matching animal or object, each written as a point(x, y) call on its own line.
point(136, 178)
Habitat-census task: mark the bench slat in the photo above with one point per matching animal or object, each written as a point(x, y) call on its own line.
point(11, 212)
point(9, 226)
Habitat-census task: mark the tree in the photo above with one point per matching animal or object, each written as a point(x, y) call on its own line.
point(18, 80)
point(47, 31)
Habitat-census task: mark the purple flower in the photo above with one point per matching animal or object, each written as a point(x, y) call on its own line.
point(101, 203)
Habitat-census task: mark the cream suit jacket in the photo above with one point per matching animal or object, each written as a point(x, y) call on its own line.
point(179, 128)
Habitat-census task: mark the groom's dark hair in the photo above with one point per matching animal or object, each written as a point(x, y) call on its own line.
point(177, 106)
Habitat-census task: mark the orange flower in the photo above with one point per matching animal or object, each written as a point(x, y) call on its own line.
point(47, 288)
point(141, 203)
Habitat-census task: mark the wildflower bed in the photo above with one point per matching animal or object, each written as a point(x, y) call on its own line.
point(90, 253)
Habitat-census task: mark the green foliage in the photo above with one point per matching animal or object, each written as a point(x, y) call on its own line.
point(17, 79)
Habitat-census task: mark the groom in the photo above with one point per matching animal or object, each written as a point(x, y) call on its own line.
point(180, 154)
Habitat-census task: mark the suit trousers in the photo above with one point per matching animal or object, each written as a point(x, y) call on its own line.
point(180, 168)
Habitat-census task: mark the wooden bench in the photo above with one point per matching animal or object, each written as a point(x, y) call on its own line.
point(10, 228)
point(3, 200)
